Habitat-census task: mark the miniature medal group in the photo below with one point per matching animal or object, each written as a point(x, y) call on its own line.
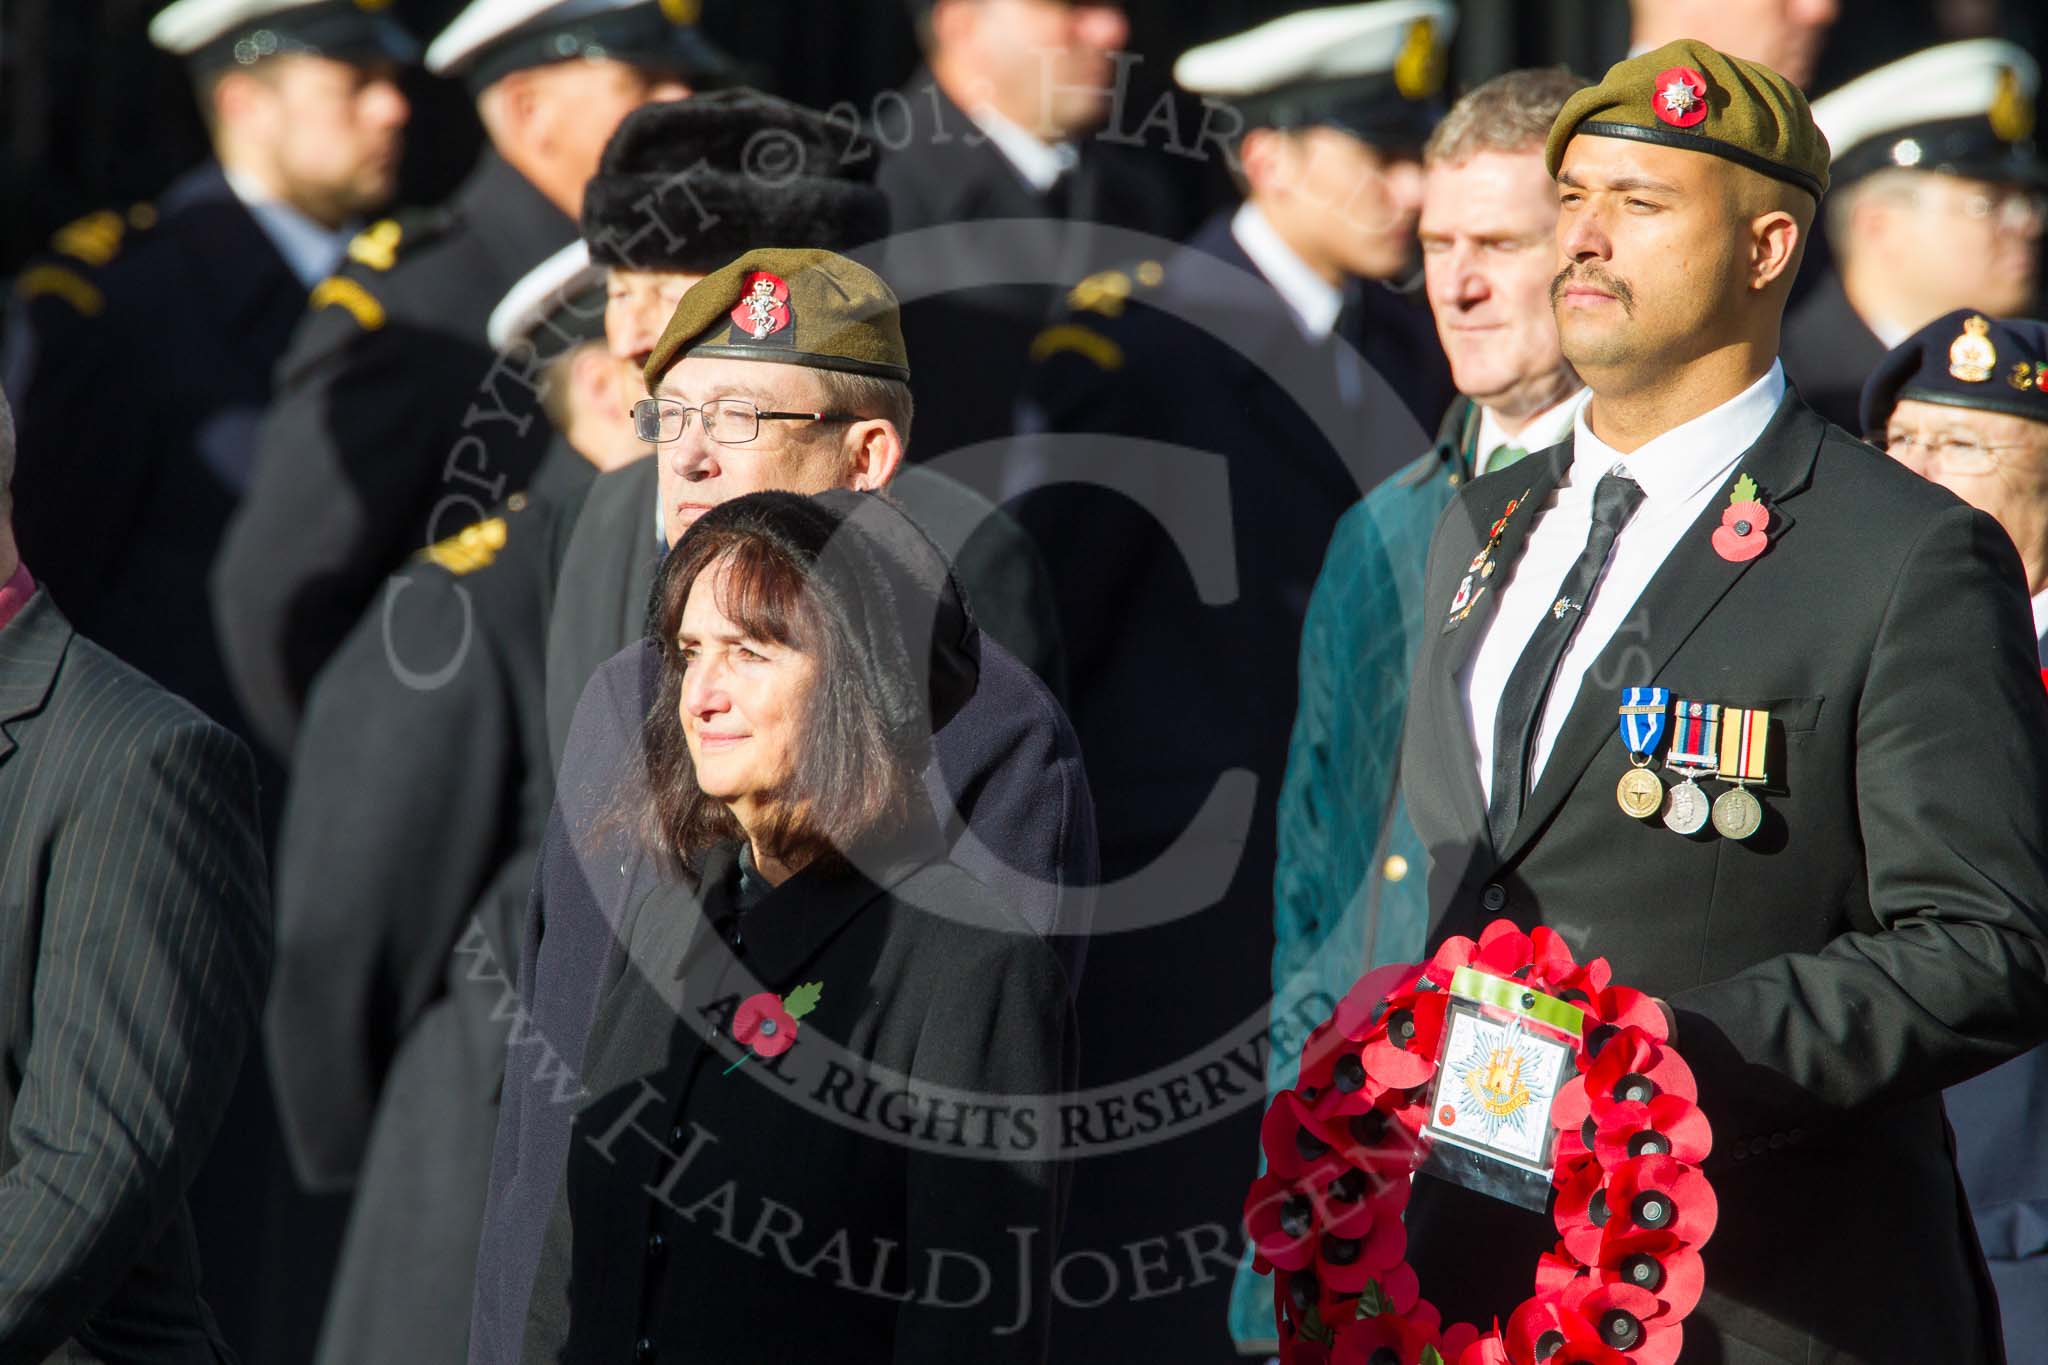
point(1707, 741)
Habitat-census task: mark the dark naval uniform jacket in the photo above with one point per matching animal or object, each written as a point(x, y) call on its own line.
point(134, 951)
point(139, 363)
point(1881, 936)
point(403, 875)
point(1829, 351)
point(1189, 453)
point(980, 256)
point(393, 427)
point(775, 1209)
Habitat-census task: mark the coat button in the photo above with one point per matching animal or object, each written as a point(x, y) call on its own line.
point(1777, 1142)
point(656, 1244)
point(1395, 867)
point(1494, 897)
point(643, 1349)
point(677, 1137)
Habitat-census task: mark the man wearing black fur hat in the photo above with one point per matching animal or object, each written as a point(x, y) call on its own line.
point(394, 425)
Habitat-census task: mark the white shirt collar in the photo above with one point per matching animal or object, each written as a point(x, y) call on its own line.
point(2041, 618)
point(1313, 300)
point(1546, 429)
point(1040, 163)
point(1675, 466)
point(311, 250)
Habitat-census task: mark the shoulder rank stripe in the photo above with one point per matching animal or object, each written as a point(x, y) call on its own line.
point(344, 292)
point(1068, 336)
point(471, 548)
point(94, 239)
point(64, 282)
point(376, 246)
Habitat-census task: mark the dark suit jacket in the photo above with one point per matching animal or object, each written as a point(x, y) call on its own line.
point(929, 984)
point(403, 874)
point(1880, 937)
point(1008, 759)
point(128, 472)
point(393, 427)
point(134, 944)
point(1829, 351)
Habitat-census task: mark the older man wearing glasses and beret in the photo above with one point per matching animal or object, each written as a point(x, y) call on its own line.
point(1964, 402)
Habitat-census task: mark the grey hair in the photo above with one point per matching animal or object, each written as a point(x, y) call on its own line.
point(869, 396)
point(1510, 113)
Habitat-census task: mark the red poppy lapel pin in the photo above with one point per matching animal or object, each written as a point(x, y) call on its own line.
point(766, 1023)
point(1740, 536)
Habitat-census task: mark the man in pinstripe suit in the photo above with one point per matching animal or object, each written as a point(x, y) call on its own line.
point(134, 949)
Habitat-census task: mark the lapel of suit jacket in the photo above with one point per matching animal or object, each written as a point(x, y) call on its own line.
point(1514, 500)
point(31, 646)
point(1692, 579)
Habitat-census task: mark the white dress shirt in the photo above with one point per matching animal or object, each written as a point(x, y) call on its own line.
point(1313, 300)
point(1040, 163)
point(1546, 429)
point(1680, 472)
point(312, 251)
point(2041, 623)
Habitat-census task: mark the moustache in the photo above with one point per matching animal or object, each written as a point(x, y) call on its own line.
point(1599, 279)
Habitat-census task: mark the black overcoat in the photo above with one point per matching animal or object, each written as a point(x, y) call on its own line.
point(1880, 937)
point(795, 1211)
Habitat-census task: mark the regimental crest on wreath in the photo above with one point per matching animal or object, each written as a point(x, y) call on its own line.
point(763, 310)
point(1681, 97)
point(1971, 356)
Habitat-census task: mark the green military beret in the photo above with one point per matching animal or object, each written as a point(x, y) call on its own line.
point(792, 306)
point(1685, 94)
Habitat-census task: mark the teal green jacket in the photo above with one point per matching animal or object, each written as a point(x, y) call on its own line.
point(1350, 891)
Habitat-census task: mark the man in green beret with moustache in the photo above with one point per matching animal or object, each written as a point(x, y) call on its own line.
point(1827, 855)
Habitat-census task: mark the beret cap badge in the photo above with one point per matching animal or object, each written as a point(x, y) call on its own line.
point(763, 308)
point(1681, 99)
point(1972, 357)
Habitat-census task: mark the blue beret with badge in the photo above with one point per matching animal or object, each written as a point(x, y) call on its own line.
point(1964, 360)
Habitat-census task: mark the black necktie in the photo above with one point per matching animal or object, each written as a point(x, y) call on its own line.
point(1615, 499)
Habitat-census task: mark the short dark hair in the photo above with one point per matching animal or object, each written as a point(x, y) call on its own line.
point(850, 785)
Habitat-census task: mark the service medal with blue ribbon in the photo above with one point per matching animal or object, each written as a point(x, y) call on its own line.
point(1645, 714)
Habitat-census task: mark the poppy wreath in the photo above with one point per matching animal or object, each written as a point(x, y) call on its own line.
point(1631, 1206)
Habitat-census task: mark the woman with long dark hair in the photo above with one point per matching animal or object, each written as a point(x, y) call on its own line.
point(821, 1093)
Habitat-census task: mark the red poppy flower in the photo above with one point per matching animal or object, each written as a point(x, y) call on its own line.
point(1661, 1194)
point(1364, 1244)
point(1627, 1319)
point(1362, 1340)
point(762, 1024)
point(1552, 958)
point(1544, 1330)
point(1557, 1272)
point(1297, 1144)
point(1280, 1219)
point(1626, 1007)
point(1666, 1124)
point(1401, 1052)
point(1740, 535)
point(1631, 1067)
point(1657, 1262)
point(1681, 97)
point(1486, 1350)
point(1582, 1209)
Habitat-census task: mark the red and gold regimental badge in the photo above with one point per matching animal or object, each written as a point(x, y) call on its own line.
point(763, 309)
point(1681, 97)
